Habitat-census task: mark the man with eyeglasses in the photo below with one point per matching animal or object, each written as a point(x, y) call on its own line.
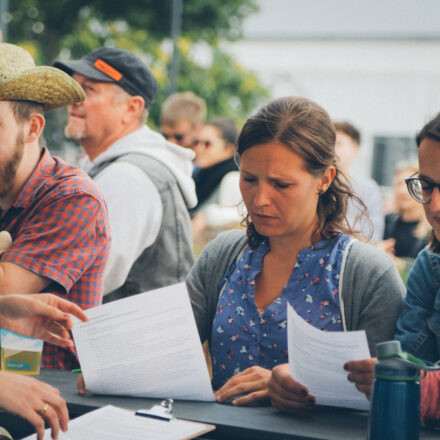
point(183, 116)
point(418, 327)
point(146, 181)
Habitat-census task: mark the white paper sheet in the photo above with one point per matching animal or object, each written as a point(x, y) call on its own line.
point(316, 360)
point(112, 423)
point(146, 345)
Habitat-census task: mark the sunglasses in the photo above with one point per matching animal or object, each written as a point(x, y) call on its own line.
point(421, 189)
point(178, 137)
point(206, 144)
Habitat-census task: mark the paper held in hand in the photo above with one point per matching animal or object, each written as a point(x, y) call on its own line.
point(316, 360)
point(146, 345)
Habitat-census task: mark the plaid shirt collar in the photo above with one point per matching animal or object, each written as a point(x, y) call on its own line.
point(36, 180)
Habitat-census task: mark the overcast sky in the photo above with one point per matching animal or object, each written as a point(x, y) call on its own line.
point(345, 18)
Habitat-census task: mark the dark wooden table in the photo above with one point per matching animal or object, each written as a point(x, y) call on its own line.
point(232, 423)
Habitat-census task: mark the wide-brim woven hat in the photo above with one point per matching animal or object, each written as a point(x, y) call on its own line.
point(21, 80)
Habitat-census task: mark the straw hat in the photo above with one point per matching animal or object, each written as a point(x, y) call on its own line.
point(21, 80)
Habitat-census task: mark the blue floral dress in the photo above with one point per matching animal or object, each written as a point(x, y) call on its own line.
point(243, 335)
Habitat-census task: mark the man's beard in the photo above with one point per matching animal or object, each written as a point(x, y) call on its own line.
point(8, 170)
point(74, 133)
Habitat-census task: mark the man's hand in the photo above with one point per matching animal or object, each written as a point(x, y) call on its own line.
point(362, 374)
point(286, 393)
point(42, 316)
point(34, 401)
point(253, 380)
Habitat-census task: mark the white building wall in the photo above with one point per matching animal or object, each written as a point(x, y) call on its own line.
point(388, 87)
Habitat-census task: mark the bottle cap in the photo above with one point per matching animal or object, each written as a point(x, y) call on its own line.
point(395, 365)
point(388, 349)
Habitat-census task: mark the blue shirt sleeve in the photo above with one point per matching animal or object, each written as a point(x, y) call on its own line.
point(418, 326)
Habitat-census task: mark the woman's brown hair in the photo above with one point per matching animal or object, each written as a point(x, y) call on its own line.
point(306, 128)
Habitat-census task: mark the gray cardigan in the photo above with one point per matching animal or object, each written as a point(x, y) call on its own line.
point(372, 290)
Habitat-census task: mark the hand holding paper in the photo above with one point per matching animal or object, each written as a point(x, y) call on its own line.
point(146, 345)
point(316, 360)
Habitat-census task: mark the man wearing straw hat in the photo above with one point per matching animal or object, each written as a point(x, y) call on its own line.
point(54, 215)
point(146, 181)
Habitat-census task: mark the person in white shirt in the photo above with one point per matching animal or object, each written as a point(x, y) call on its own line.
point(146, 181)
point(347, 145)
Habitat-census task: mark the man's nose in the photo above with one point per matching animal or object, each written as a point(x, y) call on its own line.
point(75, 105)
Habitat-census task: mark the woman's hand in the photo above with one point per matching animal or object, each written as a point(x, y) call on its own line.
point(34, 401)
point(42, 316)
point(253, 380)
point(362, 374)
point(286, 393)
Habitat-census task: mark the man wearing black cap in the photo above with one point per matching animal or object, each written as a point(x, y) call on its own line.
point(146, 180)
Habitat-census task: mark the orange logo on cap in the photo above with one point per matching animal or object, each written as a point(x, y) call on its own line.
point(107, 69)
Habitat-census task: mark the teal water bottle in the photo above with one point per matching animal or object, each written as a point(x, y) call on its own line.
point(395, 401)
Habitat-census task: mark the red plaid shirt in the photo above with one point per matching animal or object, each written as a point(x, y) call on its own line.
point(60, 231)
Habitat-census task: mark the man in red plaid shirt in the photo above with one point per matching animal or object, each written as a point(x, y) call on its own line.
point(54, 214)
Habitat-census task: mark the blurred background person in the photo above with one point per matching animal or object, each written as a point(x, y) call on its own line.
point(182, 118)
point(348, 140)
point(406, 229)
point(216, 177)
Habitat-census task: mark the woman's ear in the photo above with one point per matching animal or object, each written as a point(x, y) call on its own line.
point(327, 179)
point(34, 127)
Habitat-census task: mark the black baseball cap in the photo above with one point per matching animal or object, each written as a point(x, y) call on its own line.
point(116, 66)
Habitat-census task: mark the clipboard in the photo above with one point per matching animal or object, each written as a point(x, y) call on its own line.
point(208, 428)
point(111, 420)
point(164, 412)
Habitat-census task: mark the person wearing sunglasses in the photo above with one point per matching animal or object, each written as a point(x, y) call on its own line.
point(216, 177)
point(182, 118)
point(418, 326)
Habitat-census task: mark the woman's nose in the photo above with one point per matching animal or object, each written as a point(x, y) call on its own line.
point(262, 196)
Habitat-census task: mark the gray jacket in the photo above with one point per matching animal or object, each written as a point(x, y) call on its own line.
point(168, 260)
point(372, 290)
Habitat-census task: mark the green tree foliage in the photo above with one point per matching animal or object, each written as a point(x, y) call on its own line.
point(70, 28)
point(202, 20)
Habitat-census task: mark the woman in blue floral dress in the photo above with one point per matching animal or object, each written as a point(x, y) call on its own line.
point(298, 251)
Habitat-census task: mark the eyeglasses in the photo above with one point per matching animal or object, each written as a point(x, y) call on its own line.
point(206, 144)
point(421, 189)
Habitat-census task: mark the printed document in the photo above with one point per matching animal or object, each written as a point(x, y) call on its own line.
point(316, 360)
point(146, 345)
point(112, 423)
